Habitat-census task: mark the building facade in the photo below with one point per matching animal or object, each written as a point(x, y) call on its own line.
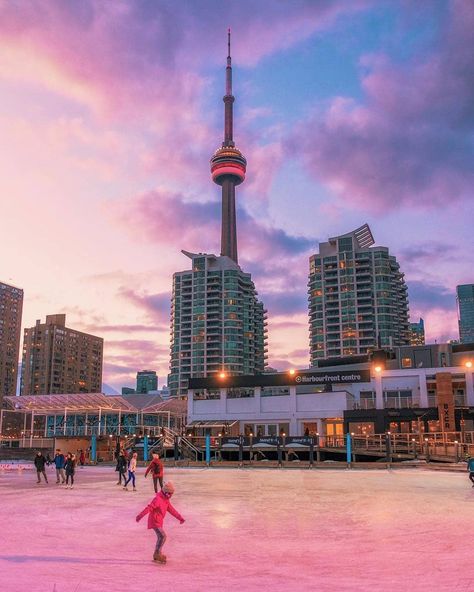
point(147, 381)
point(357, 297)
point(217, 322)
point(57, 359)
point(465, 302)
point(417, 333)
point(11, 308)
point(363, 398)
point(218, 325)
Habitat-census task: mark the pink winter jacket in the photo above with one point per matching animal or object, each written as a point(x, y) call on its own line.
point(157, 509)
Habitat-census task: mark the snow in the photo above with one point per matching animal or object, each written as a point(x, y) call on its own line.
point(248, 529)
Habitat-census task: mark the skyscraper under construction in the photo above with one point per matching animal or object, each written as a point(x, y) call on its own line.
point(217, 322)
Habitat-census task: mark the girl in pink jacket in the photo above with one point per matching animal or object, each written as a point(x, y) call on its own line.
point(156, 511)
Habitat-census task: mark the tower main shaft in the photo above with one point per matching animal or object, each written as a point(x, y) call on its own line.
point(228, 167)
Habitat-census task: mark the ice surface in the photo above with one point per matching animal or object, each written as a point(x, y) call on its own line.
point(251, 529)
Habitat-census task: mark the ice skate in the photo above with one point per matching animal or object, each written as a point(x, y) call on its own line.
point(134, 489)
point(125, 488)
point(161, 558)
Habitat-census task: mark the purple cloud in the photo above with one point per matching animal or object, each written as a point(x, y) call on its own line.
point(167, 218)
point(410, 142)
point(157, 306)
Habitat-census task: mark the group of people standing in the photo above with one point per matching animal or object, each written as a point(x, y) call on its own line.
point(65, 466)
point(127, 467)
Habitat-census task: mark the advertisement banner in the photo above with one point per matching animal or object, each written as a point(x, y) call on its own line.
point(231, 440)
point(298, 378)
point(266, 441)
point(300, 440)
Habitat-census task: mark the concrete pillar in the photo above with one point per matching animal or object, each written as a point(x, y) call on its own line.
point(258, 399)
point(223, 402)
point(469, 388)
point(423, 390)
point(292, 418)
point(32, 427)
point(378, 391)
point(100, 421)
point(64, 422)
point(320, 427)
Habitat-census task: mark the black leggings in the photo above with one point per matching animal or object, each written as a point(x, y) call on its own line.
point(67, 478)
point(155, 483)
point(471, 477)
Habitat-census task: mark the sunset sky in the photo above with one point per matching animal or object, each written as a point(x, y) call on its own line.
point(347, 112)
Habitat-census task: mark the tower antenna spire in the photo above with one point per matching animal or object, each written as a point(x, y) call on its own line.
point(228, 167)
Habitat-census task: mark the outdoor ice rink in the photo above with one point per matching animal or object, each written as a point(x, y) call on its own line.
point(248, 529)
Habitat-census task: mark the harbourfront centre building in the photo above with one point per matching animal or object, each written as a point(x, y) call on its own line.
point(408, 389)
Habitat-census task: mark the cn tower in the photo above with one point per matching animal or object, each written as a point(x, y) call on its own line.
point(228, 167)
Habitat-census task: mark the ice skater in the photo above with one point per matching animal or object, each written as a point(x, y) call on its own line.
point(40, 463)
point(156, 469)
point(470, 468)
point(70, 468)
point(121, 468)
point(59, 462)
point(156, 511)
point(132, 467)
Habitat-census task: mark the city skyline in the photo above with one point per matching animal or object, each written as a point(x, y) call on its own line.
point(109, 117)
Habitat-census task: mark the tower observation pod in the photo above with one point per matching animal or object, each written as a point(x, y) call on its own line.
point(228, 167)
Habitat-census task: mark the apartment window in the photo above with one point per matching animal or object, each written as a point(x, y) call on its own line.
point(406, 363)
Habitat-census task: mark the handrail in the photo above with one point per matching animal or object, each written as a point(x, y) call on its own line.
point(157, 446)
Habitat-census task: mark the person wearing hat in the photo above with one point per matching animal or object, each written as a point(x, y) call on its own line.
point(156, 511)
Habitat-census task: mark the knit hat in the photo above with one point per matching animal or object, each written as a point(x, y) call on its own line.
point(168, 487)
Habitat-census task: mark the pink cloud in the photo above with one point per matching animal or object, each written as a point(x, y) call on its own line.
point(409, 142)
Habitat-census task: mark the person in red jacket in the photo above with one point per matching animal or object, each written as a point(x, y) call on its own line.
point(156, 511)
point(156, 469)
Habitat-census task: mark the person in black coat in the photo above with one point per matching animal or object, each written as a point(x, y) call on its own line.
point(70, 468)
point(121, 467)
point(40, 463)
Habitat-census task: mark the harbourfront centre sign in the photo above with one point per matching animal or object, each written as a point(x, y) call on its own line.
point(282, 379)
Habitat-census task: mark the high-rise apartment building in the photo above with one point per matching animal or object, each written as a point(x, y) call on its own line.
point(357, 297)
point(417, 333)
point(11, 307)
point(147, 381)
point(217, 322)
point(57, 359)
point(465, 301)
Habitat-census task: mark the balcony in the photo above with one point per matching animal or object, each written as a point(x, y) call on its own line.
point(401, 402)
